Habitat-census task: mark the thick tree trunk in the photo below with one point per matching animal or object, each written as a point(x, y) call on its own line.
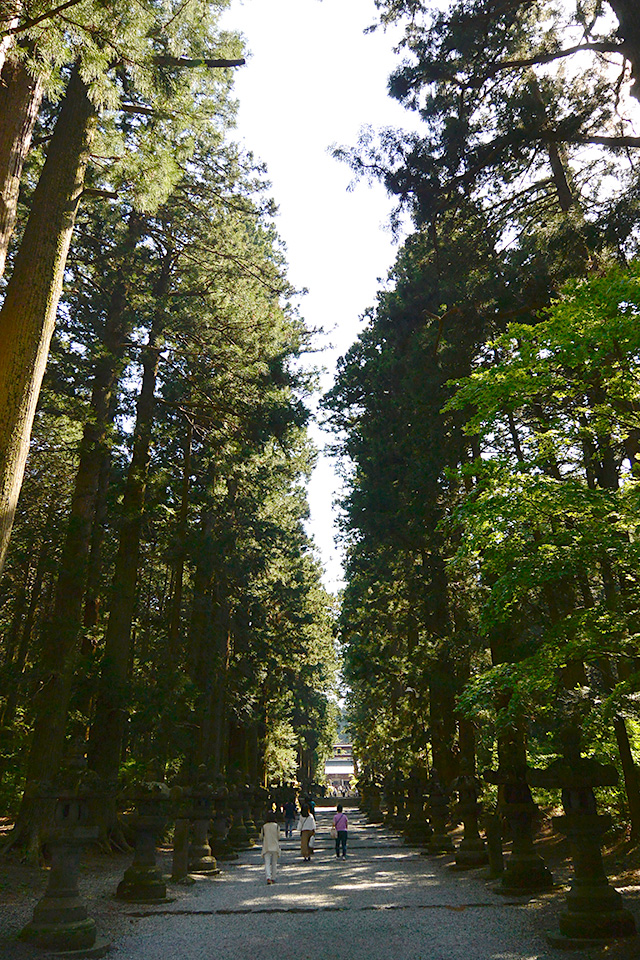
point(20, 99)
point(28, 314)
point(60, 639)
point(201, 617)
point(8, 20)
point(628, 14)
point(18, 662)
point(442, 678)
point(181, 535)
point(91, 613)
point(108, 727)
point(630, 775)
point(442, 720)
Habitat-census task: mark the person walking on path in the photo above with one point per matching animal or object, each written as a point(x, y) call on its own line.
point(289, 817)
point(270, 836)
point(307, 828)
point(341, 823)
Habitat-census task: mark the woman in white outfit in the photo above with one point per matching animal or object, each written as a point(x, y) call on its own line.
point(270, 836)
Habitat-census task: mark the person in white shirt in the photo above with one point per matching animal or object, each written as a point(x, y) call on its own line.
point(270, 836)
point(307, 828)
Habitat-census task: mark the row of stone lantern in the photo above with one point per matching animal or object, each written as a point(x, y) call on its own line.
point(422, 810)
point(204, 830)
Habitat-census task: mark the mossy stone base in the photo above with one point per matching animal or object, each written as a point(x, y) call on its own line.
point(595, 925)
point(67, 936)
point(526, 875)
point(440, 843)
point(142, 885)
point(579, 943)
point(471, 853)
point(100, 948)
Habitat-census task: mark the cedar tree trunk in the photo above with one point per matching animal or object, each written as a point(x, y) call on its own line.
point(60, 639)
point(27, 318)
point(628, 14)
point(20, 98)
point(108, 727)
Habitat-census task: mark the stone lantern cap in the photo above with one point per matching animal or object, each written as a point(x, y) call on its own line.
point(151, 798)
point(578, 774)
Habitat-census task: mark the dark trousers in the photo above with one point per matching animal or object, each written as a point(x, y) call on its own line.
point(341, 841)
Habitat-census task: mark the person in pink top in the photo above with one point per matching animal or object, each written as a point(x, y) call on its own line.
point(340, 822)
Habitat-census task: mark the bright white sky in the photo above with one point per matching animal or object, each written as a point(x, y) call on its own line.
point(314, 79)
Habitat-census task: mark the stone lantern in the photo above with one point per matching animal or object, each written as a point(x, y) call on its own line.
point(200, 815)
point(143, 881)
point(438, 810)
point(238, 834)
point(594, 910)
point(60, 919)
point(525, 871)
point(369, 796)
point(247, 802)
point(221, 846)
point(416, 829)
point(471, 851)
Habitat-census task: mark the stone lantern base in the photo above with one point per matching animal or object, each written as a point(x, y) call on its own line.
point(100, 949)
point(62, 934)
point(142, 884)
point(60, 921)
point(594, 909)
point(471, 852)
point(439, 843)
point(525, 875)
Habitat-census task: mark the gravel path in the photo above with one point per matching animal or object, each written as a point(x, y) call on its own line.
point(385, 902)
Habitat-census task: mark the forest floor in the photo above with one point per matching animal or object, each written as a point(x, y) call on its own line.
point(385, 902)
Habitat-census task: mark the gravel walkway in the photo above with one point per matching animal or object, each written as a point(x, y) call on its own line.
point(385, 902)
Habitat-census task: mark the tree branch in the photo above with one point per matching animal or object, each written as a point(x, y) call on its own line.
point(21, 27)
point(165, 61)
point(604, 141)
point(599, 47)
point(94, 192)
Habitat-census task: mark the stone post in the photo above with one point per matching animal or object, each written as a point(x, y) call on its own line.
point(492, 823)
point(180, 862)
point(390, 800)
point(142, 881)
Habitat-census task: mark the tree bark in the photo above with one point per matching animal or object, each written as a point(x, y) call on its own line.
point(108, 727)
point(20, 99)
point(27, 318)
point(60, 639)
point(630, 775)
point(18, 662)
point(8, 22)
point(628, 14)
point(176, 595)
